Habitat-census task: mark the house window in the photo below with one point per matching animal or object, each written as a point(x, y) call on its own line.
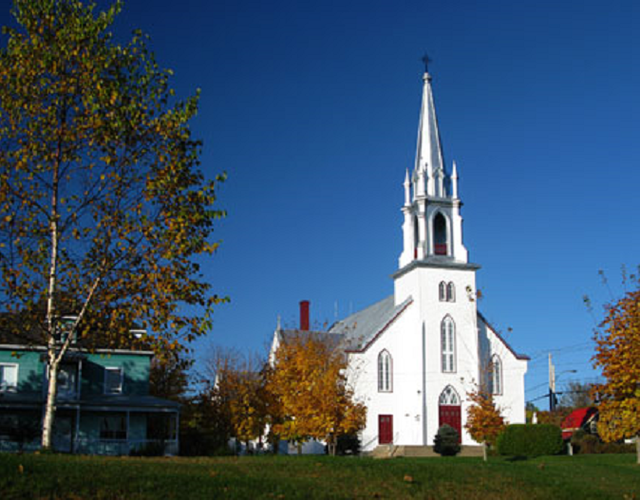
point(112, 380)
point(67, 381)
point(442, 291)
point(384, 372)
point(8, 376)
point(451, 292)
point(113, 427)
point(448, 344)
point(495, 375)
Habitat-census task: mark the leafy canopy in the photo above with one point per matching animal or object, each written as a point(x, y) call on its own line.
point(310, 393)
point(618, 355)
point(103, 207)
point(484, 419)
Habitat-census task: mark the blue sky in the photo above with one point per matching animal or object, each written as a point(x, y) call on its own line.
point(312, 109)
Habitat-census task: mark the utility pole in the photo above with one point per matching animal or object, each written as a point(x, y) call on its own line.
point(552, 385)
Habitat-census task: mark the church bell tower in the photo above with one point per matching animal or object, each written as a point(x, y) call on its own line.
point(432, 228)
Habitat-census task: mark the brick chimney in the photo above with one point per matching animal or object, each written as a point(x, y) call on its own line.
point(304, 315)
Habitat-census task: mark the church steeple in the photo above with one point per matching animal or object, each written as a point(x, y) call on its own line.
point(429, 148)
point(432, 226)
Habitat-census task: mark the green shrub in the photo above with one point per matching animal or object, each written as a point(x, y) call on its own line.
point(589, 444)
point(530, 440)
point(616, 448)
point(348, 444)
point(586, 444)
point(446, 441)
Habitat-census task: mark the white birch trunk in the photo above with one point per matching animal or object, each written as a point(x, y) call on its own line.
point(52, 361)
point(50, 405)
point(55, 355)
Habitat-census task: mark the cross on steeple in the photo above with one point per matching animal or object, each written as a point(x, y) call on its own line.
point(426, 60)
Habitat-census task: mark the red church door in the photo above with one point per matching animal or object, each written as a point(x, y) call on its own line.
point(450, 415)
point(385, 429)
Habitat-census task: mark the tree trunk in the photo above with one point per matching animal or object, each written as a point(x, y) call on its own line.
point(638, 448)
point(52, 360)
point(332, 448)
point(484, 451)
point(50, 406)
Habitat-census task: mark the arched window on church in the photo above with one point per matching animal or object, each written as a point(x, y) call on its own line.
point(442, 291)
point(439, 235)
point(448, 344)
point(449, 397)
point(416, 237)
point(451, 292)
point(495, 375)
point(384, 372)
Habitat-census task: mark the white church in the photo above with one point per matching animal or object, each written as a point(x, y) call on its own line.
point(415, 355)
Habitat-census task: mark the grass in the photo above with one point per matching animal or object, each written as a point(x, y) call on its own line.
point(74, 477)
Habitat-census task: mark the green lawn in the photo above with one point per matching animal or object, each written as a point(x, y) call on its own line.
point(73, 477)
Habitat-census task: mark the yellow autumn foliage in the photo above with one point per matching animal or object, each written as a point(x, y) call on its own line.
point(618, 355)
point(484, 419)
point(309, 388)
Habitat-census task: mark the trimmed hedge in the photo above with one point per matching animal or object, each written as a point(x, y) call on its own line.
point(530, 440)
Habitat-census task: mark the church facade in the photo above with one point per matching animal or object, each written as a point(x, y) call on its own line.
point(415, 355)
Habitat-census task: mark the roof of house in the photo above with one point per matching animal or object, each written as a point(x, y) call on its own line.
point(576, 419)
point(360, 329)
point(124, 401)
point(16, 333)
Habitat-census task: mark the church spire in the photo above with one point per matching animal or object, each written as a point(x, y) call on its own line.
point(429, 148)
point(432, 227)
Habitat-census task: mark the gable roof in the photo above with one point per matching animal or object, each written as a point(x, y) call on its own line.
point(332, 338)
point(362, 328)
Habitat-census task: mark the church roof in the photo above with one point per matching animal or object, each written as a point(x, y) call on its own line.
point(332, 338)
point(362, 328)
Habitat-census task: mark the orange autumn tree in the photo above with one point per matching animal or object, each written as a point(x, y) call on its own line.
point(618, 355)
point(308, 384)
point(484, 419)
point(238, 388)
point(246, 404)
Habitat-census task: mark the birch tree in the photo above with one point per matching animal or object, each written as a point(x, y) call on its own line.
point(103, 206)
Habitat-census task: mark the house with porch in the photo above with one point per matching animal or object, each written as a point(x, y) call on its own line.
point(103, 404)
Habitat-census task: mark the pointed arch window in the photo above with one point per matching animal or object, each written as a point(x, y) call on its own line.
point(495, 375)
point(449, 397)
point(442, 291)
point(451, 292)
point(448, 345)
point(416, 237)
point(439, 235)
point(384, 372)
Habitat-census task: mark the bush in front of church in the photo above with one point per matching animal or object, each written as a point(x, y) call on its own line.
point(530, 440)
point(446, 441)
